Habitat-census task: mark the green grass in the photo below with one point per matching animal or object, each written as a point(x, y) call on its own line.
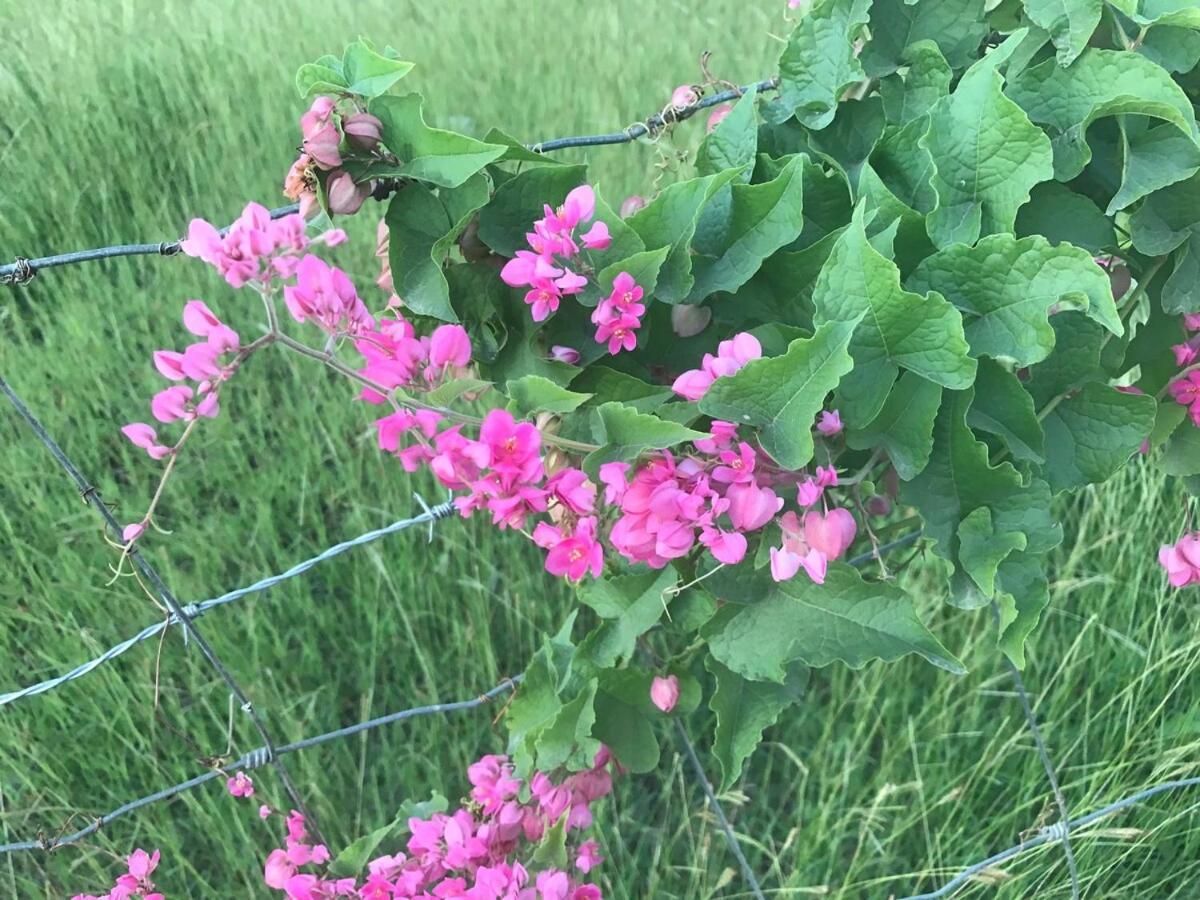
point(124, 119)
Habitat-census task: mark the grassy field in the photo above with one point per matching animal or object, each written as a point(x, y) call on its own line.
point(121, 121)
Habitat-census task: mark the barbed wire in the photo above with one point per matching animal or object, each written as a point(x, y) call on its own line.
point(22, 269)
point(195, 610)
point(259, 757)
point(92, 497)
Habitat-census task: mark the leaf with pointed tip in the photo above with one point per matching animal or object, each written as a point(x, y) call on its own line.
point(987, 155)
point(1099, 83)
point(820, 61)
point(982, 548)
point(439, 157)
point(734, 142)
point(744, 708)
point(904, 427)
point(418, 223)
point(762, 218)
point(899, 329)
point(1022, 594)
point(781, 395)
point(1071, 23)
point(624, 724)
point(533, 394)
point(622, 433)
point(1180, 13)
point(956, 26)
point(1004, 408)
point(848, 141)
point(1005, 287)
point(1181, 292)
point(369, 73)
point(629, 605)
point(1060, 215)
point(959, 479)
point(504, 222)
point(566, 740)
point(914, 94)
point(669, 220)
point(845, 619)
point(1153, 159)
point(313, 78)
point(1091, 434)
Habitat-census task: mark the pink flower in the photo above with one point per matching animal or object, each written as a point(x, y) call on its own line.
point(717, 116)
point(664, 692)
point(169, 364)
point(278, 869)
point(785, 563)
point(751, 506)
point(736, 468)
point(1191, 321)
point(171, 404)
point(544, 297)
point(562, 354)
point(826, 477)
point(326, 295)
point(684, 96)
point(597, 237)
point(693, 384)
point(141, 864)
point(831, 533)
point(727, 547)
point(514, 449)
point(612, 476)
point(449, 346)
point(321, 136)
point(571, 488)
point(721, 435)
point(363, 130)
point(526, 268)
point(631, 205)
point(619, 332)
point(553, 885)
point(1185, 354)
point(142, 435)
point(264, 812)
point(830, 423)
point(132, 532)
point(344, 196)
point(808, 492)
point(588, 856)
point(578, 554)
point(731, 356)
point(1182, 560)
point(240, 785)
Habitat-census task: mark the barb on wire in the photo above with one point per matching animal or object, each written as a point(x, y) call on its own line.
point(260, 757)
point(195, 610)
point(92, 497)
point(22, 270)
point(1051, 834)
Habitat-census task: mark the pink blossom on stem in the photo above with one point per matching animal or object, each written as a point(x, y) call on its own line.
point(363, 130)
point(579, 554)
point(1182, 560)
point(568, 355)
point(732, 355)
point(344, 195)
point(829, 423)
point(240, 785)
point(142, 435)
point(664, 692)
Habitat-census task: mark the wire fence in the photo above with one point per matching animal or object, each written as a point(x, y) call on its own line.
point(270, 752)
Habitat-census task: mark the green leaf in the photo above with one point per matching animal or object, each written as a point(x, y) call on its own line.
point(957, 28)
point(744, 709)
point(1005, 287)
point(533, 393)
point(1167, 217)
point(1181, 292)
point(982, 548)
point(1153, 159)
point(762, 218)
point(899, 329)
point(1023, 594)
point(567, 738)
point(848, 141)
point(1099, 83)
point(445, 394)
point(781, 395)
point(623, 433)
point(734, 142)
point(1004, 408)
point(1182, 13)
point(669, 220)
point(624, 720)
point(354, 858)
point(904, 427)
point(630, 606)
point(959, 479)
point(504, 222)
point(551, 852)
point(369, 73)
point(845, 619)
point(605, 385)
point(516, 151)
point(1091, 434)
point(1182, 455)
point(1078, 342)
point(1175, 48)
point(927, 81)
point(533, 707)
point(417, 221)
point(312, 79)
point(1061, 216)
point(1071, 23)
point(987, 155)
point(439, 157)
point(819, 61)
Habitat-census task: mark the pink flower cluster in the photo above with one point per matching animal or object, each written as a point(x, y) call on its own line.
point(812, 543)
point(321, 149)
point(325, 295)
point(473, 853)
point(254, 248)
point(1186, 389)
point(731, 356)
point(1182, 560)
point(545, 270)
point(135, 883)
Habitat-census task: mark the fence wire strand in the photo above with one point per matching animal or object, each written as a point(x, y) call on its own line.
point(22, 270)
point(195, 610)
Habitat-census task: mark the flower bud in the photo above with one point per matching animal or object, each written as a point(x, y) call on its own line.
point(684, 96)
point(664, 692)
point(449, 346)
point(632, 204)
point(717, 116)
point(363, 130)
point(343, 195)
point(688, 319)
